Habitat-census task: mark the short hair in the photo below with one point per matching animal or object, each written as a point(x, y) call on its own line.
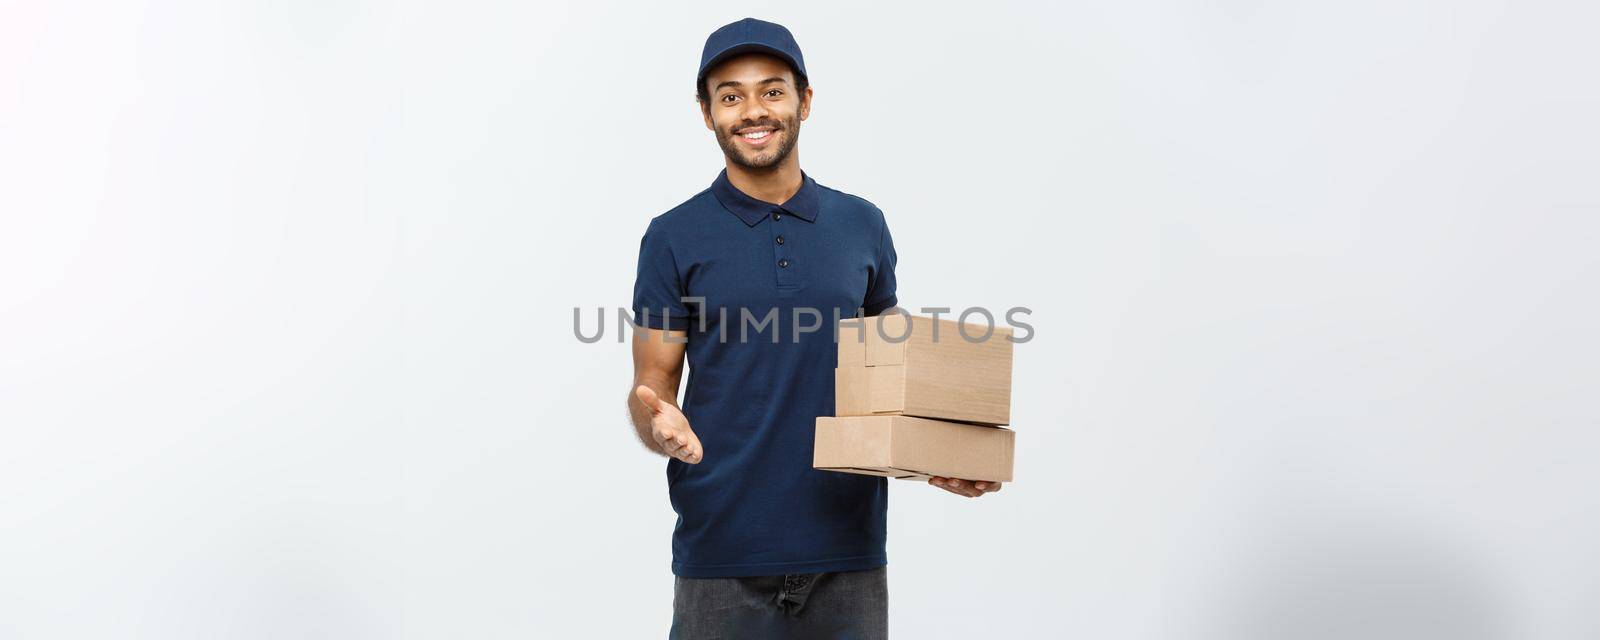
point(800, 84)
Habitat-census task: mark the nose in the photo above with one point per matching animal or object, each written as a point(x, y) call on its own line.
point(755, 110)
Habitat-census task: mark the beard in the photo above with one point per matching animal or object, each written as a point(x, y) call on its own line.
point(763, 158)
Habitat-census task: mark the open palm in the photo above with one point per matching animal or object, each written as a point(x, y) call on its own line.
point(670, 428)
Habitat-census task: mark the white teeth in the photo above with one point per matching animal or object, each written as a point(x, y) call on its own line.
point(756, 135)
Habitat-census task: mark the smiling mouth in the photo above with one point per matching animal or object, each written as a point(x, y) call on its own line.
point(758, 137)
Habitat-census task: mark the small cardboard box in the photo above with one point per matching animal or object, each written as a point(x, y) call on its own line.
point(913, 448)
point(917, 366)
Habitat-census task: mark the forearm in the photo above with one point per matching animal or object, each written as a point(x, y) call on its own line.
point(658, 357)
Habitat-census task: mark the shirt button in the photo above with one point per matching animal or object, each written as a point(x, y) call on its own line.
point(780, 239)
point(776, 216)
point(783, 264)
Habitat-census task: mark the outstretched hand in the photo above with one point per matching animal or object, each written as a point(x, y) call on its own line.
point(670, 428)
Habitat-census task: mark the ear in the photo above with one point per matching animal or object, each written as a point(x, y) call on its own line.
point(805, 104)
point(705, 113)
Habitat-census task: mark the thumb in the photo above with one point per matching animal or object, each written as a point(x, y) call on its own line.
point(648, 397)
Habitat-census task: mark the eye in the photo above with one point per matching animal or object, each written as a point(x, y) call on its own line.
point(775, 92)
point(729, 97)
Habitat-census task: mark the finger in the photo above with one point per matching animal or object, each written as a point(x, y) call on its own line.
point(690, 452)
point(988, 486)
point(673, 443)
point(648, 397)
point(667, 439)
point(963, 487)
point(958, 486)
point(683, 446)
point(948, 484)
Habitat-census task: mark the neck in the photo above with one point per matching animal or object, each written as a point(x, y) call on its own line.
point(774, 184)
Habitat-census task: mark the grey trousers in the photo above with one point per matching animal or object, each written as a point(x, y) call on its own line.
point(851, 605)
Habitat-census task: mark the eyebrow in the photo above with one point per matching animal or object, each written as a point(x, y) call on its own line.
point(735, 83)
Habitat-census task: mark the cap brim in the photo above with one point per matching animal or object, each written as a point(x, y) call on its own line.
point(748, 47)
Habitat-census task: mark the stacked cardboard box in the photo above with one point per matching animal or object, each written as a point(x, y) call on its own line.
point(916, 397)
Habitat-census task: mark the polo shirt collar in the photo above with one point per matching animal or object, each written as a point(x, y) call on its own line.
point(803, 204)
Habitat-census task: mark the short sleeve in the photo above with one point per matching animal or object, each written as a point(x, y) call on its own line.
point(880, 291)
point(658, 292)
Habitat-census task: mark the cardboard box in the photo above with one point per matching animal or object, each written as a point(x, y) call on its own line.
point(917, 366)
point(913, 448)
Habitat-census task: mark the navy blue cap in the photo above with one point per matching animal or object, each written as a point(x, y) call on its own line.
point(750, 35)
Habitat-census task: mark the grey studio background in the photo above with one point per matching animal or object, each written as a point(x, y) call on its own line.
point(286, 299)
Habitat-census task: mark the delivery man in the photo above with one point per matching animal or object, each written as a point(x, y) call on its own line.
point(746, 279)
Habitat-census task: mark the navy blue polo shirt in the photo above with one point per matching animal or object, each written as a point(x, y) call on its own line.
point(746, 279)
